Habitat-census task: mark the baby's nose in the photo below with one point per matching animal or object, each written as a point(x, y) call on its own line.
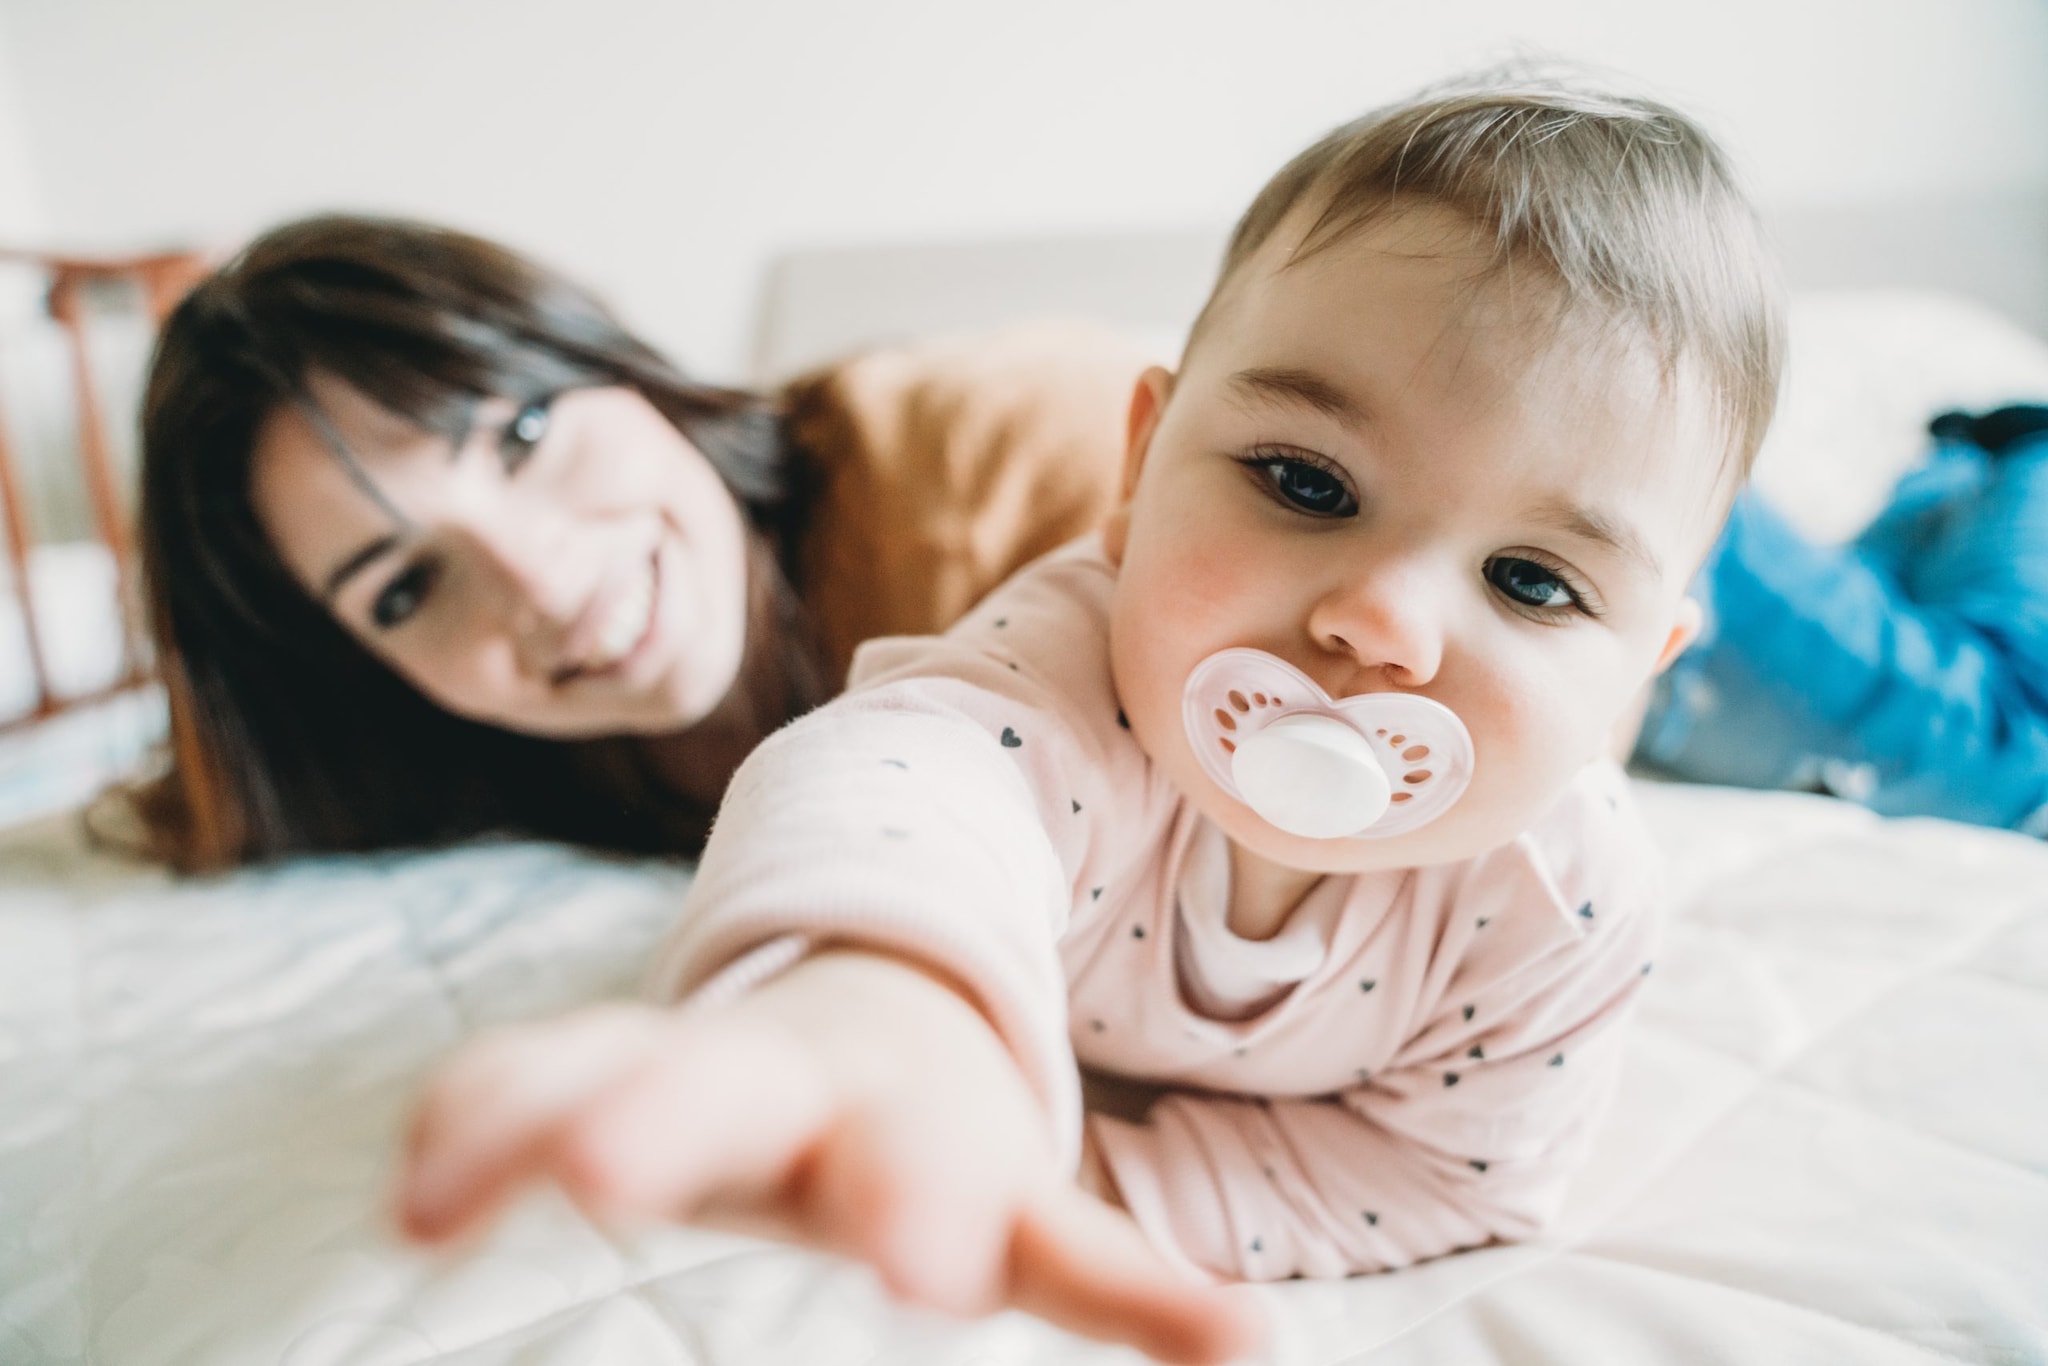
point(1389, 621)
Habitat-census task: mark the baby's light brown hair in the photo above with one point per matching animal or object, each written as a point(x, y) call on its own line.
point(1626, 204)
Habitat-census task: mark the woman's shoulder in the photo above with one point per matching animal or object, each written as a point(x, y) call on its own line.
point(1048, 622)
point(944, 466)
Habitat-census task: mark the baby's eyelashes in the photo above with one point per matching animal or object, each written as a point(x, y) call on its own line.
point(1539, 590)
point(1301, 480)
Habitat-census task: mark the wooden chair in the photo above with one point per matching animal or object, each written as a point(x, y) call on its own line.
point(160, 280)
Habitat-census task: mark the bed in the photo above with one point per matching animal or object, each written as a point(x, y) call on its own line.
point(1830, 1144)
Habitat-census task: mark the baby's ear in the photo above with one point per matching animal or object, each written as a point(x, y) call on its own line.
point(1148, 401)
point(1685, 628)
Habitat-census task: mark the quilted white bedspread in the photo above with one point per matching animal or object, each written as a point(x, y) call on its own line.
point(1831, 1144)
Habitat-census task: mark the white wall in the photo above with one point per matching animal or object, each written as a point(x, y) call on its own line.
point(665, 151)
point(34, 383)
point(23, 220)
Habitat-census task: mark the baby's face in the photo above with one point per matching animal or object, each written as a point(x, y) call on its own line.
point(1396, 478)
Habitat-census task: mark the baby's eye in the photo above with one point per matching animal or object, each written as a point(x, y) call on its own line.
point(1303, 484)
point(1528, 584)
point(403, 595)
point(523, 433)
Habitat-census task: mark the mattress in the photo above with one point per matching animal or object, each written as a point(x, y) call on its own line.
point(1830, 1143)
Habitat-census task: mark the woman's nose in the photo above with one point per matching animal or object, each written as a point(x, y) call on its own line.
point(540, 586)
point(1390, 621)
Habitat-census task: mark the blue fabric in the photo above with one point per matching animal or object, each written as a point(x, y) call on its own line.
point(1907, 670)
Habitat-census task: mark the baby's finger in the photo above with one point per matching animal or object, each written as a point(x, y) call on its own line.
point(720, 1110)
point(1085, 1266)
point(485, 1117)
point(929, 1208)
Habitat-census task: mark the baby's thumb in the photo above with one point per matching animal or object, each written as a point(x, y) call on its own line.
point(1079, 1263)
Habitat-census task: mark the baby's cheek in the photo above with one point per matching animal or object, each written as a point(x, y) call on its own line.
point(1529, 742)
point(1147, 673)
point(1170, 615)
point(1197, 579)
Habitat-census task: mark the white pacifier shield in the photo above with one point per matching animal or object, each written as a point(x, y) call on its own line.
point(1370, 766)
point(1312, 776)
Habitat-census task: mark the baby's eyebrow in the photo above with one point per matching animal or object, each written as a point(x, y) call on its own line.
point(1305, 387)
point(1592, 525)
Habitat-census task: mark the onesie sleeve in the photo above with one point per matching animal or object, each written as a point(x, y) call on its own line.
point(1474, 1130)
point(937, 813)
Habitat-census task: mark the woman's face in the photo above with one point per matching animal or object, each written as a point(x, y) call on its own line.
point(573, 568)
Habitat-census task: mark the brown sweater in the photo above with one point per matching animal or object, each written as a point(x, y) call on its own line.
point(946, 465)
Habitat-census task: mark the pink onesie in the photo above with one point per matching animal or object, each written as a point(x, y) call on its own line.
point(1412, 1065)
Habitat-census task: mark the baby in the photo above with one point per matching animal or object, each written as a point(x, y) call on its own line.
point(1284, 794)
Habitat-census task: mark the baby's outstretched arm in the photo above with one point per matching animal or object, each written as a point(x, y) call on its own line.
point(855, 1104)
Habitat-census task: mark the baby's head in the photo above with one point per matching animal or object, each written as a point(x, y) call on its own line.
point(1465, 409)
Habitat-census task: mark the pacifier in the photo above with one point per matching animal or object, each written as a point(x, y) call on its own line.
point(1366, 767)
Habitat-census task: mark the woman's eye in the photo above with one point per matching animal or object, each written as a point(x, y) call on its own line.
point(1311, 488)
point(402, 596)
point(1528, 584)
point(523, 433)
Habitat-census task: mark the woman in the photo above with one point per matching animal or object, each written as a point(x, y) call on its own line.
point(435, 546)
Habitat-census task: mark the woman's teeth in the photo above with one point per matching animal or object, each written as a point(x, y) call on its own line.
point(624, 624)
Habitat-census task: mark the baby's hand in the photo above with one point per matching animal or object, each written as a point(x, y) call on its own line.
point(855, 1104)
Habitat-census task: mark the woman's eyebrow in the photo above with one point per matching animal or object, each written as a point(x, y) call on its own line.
point(1303, 387)
point(1589, 524)
point(355, 564)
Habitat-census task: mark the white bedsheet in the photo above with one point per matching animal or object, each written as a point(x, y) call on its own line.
point(1831, 1145)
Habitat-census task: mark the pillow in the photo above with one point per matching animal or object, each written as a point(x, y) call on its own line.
point(1867, 369)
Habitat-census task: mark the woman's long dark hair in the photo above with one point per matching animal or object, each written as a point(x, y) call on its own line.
point(287, 736)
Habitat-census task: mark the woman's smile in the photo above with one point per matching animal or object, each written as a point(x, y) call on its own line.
point(618, 628)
